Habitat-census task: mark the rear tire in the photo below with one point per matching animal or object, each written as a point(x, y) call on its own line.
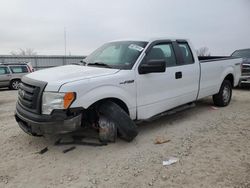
point(223, 98)
point(14, 84)
point(127, 129)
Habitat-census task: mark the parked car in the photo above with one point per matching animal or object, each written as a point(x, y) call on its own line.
point(245, 67)
point(122, 82)
point(12, 73)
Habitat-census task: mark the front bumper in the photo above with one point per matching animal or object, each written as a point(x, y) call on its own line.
point(57, 123)
point(244, 80)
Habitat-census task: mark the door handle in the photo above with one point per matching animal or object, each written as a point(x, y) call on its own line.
point(178, 75)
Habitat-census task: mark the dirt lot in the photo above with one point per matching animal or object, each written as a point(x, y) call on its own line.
point(212, 145)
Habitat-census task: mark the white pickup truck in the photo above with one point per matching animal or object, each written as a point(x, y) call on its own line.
point(121, 82)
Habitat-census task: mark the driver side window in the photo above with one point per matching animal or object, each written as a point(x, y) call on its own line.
point(162, 51)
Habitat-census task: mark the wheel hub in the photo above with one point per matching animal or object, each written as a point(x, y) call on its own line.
point(15, 85)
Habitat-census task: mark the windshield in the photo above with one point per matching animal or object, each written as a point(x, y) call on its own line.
point(120, 55)
point(242, 53)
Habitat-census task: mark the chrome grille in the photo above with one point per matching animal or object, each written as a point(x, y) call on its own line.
point(27, 95)
point(245, 69)
point(30, 94)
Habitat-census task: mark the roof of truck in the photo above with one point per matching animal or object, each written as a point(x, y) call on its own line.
point(146, 39)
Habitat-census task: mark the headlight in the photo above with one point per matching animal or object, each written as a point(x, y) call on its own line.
point(53, 101)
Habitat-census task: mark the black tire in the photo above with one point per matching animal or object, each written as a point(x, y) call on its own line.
point(127, 129)
point(239, 85)
point(14, 84)
point(223, 98)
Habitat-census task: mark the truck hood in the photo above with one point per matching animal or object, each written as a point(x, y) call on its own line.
point(55, 77)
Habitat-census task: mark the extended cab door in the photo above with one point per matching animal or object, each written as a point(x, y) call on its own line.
point(4, 76)
point(160, 91)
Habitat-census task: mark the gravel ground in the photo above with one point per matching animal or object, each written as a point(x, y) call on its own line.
point(212, 145)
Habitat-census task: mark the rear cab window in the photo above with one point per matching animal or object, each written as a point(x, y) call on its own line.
point(186, 53)
point(19, 69)
point(4, 70)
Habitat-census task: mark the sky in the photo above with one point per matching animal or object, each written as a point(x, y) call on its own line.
point(221, 25)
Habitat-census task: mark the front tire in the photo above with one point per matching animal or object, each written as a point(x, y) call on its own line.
point(107, 130)
point(127, 129)
point(223, 98)
point(14, 84)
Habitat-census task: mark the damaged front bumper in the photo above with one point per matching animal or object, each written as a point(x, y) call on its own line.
point(59, 122)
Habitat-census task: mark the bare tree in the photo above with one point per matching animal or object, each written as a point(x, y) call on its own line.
point(203, 51)
point(24, 52)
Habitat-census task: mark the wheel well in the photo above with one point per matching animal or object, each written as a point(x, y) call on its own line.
point(230, 78)
point(115, 100)
point(15, 79)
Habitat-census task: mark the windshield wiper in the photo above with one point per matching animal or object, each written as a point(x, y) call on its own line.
point(100, 64)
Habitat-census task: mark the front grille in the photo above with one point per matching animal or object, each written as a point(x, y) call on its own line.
point(30, 93)
point(27, 95)
point(246, 70)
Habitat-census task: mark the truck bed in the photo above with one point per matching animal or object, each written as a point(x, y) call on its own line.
point(213, 70)
point(204, 59)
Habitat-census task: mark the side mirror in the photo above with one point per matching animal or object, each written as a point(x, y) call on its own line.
point(152, 66)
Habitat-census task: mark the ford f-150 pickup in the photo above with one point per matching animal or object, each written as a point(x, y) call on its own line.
point(121, 82)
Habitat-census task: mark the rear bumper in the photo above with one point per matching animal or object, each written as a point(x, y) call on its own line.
point(57, 123)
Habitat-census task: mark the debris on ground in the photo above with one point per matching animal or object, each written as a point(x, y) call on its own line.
point(69, 149)
point(214, 108)
point(77, 140)
point(4, 179)
point(170, 161)
point(44, 150)
point(164, 177)
point(160, 140)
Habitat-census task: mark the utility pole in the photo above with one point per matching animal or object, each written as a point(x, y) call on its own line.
point(65, 42)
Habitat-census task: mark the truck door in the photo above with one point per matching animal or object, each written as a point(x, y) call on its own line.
point(159, 92)
point(4, 76)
